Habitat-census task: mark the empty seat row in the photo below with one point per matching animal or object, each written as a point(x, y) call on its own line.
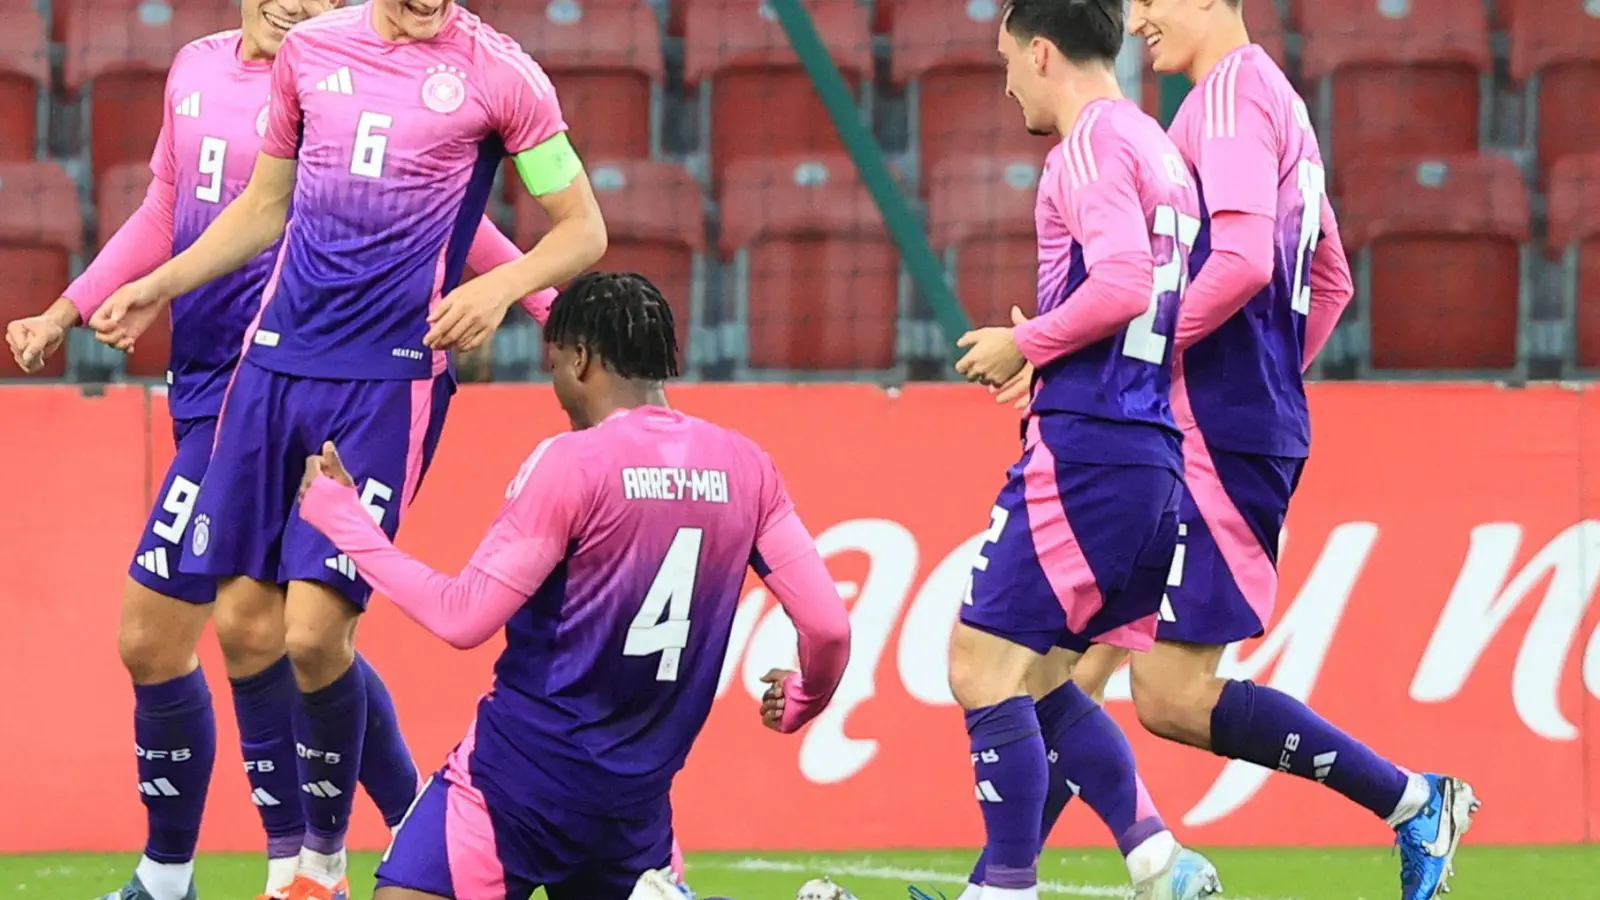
point(811, 278)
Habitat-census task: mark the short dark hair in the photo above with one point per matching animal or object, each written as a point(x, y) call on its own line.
point(621, 318)
point(1085, 30)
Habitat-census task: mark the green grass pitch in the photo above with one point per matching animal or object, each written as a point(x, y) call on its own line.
point(1482, 873)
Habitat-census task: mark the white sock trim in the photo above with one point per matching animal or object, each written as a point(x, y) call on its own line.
point(1152, 857)
point(1412, 800)
point(165, 881)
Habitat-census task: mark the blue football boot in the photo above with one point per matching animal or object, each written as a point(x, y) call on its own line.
point(1429, 839)
point(135, 890)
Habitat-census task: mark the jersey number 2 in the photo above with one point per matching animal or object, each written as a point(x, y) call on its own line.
point(1141, 340)
point(662, 623)
point(1312, 180)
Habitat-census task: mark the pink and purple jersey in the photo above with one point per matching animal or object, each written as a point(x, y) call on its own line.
point(397, 144)
point(1247, 137)
point(215, 111)
point(615, 567)
point(1116, 212)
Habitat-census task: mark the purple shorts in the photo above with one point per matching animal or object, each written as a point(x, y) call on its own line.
point(247, 520)
point(1077, 554)
point(1225, 583)
point(468, 839)
point(163, 543)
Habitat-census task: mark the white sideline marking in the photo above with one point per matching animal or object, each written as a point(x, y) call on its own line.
point(869, 870)
point(866, 868)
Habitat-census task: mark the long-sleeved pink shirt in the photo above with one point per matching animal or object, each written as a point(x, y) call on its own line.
point(615, 568)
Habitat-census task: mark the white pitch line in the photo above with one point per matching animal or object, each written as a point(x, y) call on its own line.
point(866, 868)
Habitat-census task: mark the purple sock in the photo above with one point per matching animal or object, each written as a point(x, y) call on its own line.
point(387, 770)
point(1057, 711)
point(1272, 729)
point(175, 733)
point(1089, 749)
point(1008, 760)
point(330, 726)
point(264, 706)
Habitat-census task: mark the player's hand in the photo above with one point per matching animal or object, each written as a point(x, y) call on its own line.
point(33, 340)
point(992, 356)
point(128, 314)
point(1015, 392)
point(325, 463)
point(467, 318)
point(772, 702)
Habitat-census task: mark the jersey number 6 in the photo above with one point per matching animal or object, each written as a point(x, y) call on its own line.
point(1141, 340)
point(662, 623)
point(371, 145)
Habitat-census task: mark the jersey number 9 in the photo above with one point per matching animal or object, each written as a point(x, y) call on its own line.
point(1142, 341)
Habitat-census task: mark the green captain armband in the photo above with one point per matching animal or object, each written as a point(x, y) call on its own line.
point(549, 167)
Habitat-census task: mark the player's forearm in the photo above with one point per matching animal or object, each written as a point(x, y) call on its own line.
point(1116, 292)
point(243, 231)
point(141, 245)
point(490, 250)
point(567, 250)
point(1239, 266)
point(805, 590)
point(64, 312)
point(463, 611)
point(1331, 290)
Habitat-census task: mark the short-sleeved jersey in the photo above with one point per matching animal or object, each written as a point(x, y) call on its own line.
point(1247, 137)
point(611, 667)
point(1116, 185)
point(211, 130)
point(397, 147)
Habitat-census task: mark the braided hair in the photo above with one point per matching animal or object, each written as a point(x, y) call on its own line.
point(621, 318)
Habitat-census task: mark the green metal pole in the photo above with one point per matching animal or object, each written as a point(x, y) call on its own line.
point(916, 254)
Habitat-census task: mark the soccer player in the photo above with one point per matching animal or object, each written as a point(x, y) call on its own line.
point(615, 568)
point(1083, 533)
point(208, 141)
point(386, 125)
point(1262, 305)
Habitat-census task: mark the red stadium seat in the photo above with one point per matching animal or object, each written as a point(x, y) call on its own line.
point(759, 98)
point(24, 71)
point(117, 194)
point(883, 16)
point(117, 55)
point(1266, 25)
point(40, 232)
point(815, 275)
point(959, 104)
point(1575, 240)
point(1397, 79)
point(1440, 239)
point(980, 216)
point(1555, 53)
point(604, 58)
point(656, 224)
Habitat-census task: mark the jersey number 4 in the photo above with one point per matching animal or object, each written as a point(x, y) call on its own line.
point(1142, 341)
point(662, 623)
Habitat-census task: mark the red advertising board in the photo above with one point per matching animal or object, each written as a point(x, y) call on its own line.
point(1439, 572)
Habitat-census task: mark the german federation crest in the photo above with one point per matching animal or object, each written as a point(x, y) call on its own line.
point(444, 89)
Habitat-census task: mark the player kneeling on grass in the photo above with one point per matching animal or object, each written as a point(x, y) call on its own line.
point(614, 567)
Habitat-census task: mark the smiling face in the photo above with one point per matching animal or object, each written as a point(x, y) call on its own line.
point(1173, 30)
point(415, 20)
point(267, 21)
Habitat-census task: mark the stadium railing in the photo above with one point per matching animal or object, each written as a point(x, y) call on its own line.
point(1463, 160)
